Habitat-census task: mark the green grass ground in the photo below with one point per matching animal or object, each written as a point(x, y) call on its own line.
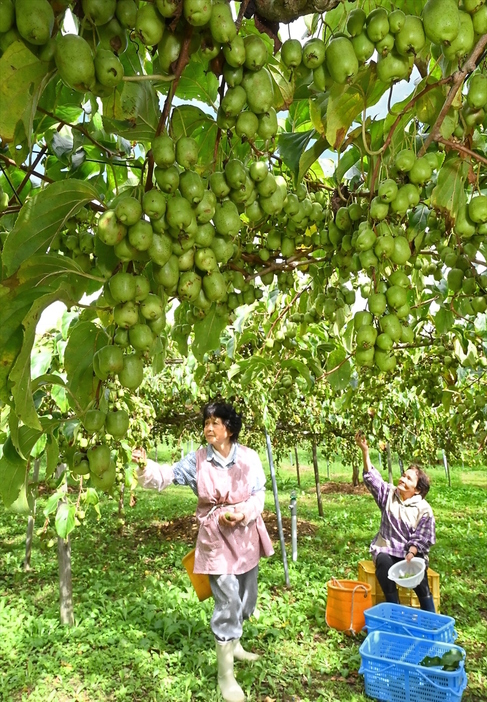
point(142, 635)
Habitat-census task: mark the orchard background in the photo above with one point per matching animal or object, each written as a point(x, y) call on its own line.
point(162, 176)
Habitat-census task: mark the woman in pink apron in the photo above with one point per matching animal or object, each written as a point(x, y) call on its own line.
point(229, 481)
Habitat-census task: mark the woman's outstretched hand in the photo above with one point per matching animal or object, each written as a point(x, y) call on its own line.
point(139, 456)
point(361, 441)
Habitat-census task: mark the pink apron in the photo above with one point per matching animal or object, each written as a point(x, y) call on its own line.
point(224, 550)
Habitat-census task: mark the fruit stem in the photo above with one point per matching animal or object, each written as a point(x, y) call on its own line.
point(181, 64)
point(241, 14)
point(156, 76)
point(405, 109)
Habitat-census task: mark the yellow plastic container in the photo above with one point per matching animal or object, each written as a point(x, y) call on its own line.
point(366, 574)
point(200, 581)
point(346, 603)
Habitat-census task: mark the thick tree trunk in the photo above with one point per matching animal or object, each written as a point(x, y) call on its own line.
point(355, 474)
point(66, 610)
point(285, 11)
point(317, 480)
point(31, 521)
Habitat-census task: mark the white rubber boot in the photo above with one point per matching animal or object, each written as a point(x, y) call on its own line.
point(242, 655)
point(229, 687)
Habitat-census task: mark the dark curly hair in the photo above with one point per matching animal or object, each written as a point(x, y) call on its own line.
point(423, 484)
point(228, 415)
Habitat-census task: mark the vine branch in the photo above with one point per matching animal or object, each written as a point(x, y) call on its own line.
point(458, 78)
point(181, 64)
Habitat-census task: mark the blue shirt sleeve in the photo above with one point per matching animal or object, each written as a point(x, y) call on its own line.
point(185, 471)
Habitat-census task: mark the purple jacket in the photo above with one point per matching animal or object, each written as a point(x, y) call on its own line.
point(403, 523)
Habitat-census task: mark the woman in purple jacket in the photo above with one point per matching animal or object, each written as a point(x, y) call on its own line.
point(407, 527)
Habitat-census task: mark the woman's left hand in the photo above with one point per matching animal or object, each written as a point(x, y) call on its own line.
point(230, 519)
point(409, 557)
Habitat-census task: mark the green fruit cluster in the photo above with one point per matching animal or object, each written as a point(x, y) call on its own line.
point(247, 107)
point(98, 464)
point(115, 422)
point(88, 62)
point(395, 36)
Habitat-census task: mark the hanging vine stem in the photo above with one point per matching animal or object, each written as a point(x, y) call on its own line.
point(458, 78)
point(327, 373)
point(285, 310)
point(26, 169)
point(12, 187)
point(32, 166)
point(181, 64)
point(426, 89)
point(364, 118)
point(79, 128)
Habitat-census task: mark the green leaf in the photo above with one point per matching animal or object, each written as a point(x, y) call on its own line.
point(207, 333)
point(252, 367)
point(13, 310)
point(26, 440)
point(59, 396)
point(298, 117)
point(19, 377)
point(318, 105)
point(443, 320)
point(132, 112)
point(12, 477)
point(349, 159)
point(340, 378)
point(13, 464)
point(39, 446)
point(198, 82)
point(40, 362)
point(22, 78)
point(158, 357)
point(449, 193)
point(65, 521)
point(293, 145)
point(310, 157)
point(301, 367)
point(345, 104)
point(342, 109)
point(42, 216)
point(47, 379)
point(52, 503)
point(283, 90)
point(84, 339)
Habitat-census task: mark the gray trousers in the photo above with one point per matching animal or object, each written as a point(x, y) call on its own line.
point(235, 598)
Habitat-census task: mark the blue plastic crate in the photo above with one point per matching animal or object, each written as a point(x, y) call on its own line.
point(409, 621)
point(390, 665)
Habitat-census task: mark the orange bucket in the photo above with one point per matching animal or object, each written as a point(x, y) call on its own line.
point(200, 581)
point(346, 603)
